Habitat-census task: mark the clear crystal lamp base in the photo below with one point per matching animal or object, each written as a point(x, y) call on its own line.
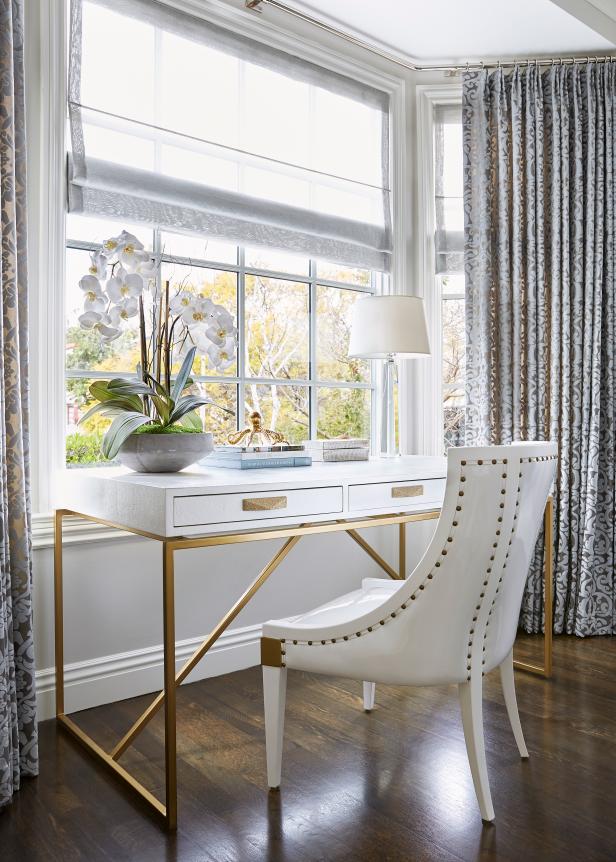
point(388, 414)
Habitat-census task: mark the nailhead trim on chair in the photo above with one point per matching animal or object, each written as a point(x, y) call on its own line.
point(480, 462)
point(499, 519)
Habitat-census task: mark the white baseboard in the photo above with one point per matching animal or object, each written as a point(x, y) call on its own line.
point(116, 677)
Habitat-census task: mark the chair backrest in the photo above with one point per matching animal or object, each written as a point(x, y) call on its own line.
point(467, 589)
point(456, 615)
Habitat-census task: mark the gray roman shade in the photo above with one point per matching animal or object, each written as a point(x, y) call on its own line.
point(449, 233)
point(178, 122)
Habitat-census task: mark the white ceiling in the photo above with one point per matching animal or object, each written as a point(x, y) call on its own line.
point(459, 30)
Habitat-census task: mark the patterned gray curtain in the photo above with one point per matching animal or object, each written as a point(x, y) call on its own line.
point(540, 246)
point(18, 731)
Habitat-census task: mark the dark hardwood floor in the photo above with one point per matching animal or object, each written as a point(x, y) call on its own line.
point(390, 785)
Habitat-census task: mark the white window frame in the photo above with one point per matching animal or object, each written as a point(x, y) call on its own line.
point(46, 35)
point(242, 380)
point(430, 427)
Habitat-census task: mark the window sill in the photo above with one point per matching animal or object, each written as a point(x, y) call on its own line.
point(75, 531)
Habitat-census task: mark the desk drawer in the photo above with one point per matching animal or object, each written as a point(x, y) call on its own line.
point(396, 496)
point(227, 508)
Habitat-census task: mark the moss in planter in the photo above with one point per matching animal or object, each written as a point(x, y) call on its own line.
point(168, 429)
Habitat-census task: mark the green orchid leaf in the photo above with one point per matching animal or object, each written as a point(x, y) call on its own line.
point(182, 378)
point(100, 390)
point(164, 408)
point(112, 406)
point(191, 421)
point(119, 386)
point(186, 405)
point(160, 389)
point(122, 427)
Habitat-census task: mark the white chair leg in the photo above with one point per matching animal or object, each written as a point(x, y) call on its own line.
point(274, 697)
point(508, 684)
point(369, 695)
point(472, 719)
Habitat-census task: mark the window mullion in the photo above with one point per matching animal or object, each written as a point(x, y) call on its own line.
point(241, 328)
point(312, 361)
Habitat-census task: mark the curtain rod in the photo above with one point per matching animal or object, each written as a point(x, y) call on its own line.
point(254, 6)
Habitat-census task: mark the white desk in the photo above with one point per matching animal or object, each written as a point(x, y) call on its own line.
point(202, 508)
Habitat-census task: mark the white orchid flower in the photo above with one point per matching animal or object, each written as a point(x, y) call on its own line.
point(181, 302)
point(124, 310)
point(200, 312)
point(110, 246)
point(219, 331)
point(101, 322)
point(124, 285)
point(89, 319)
point(148, 267)
point(130, 252)
point(98, 265)
point(94, 298)
point(106, 328)
point(222, 356)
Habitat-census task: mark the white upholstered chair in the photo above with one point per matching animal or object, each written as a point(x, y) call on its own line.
point(451, 621)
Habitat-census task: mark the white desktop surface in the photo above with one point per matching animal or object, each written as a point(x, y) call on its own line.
point(323, 491)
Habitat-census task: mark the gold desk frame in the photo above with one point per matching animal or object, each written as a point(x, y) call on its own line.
point(166, 698)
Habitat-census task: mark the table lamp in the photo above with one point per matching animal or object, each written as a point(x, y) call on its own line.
point(384, 327)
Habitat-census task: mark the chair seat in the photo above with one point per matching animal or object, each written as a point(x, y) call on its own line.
point(345, 608)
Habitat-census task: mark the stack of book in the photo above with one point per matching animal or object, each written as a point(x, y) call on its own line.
point(258, 457)
point(338, 450)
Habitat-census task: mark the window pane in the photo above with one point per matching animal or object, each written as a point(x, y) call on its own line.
point(454, 348)
point(118, 68)
point(277, 328)
point(343, 413)
point(334, 307)
point(346, 274)
point(210, 170)
point(348, 142)
point(283, 408)
point(453, 285)
point(217, 116)
point(196, 247)
point(83, 442)
point(85, 228)
point(216, 284)
point(113, 146)
point(84, 348)
point(215, 420)
point(454, 418)
point(276, 261)
point(265, 130)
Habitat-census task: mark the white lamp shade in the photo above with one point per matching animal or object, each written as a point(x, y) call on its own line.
point(383, 325)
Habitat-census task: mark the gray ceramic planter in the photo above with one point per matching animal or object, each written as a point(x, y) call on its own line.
point(164, 453)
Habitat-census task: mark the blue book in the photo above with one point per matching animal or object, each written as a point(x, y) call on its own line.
point(257, 463)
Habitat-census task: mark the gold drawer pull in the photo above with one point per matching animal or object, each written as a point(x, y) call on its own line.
point(407, 491)
point(264, 504)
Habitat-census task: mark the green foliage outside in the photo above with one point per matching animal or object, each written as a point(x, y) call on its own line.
point(276, 344)
point(82, 448)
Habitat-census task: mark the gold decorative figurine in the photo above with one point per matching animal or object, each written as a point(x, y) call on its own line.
point(256, 435)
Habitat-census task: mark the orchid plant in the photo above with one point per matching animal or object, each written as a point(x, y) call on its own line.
point(123, 283)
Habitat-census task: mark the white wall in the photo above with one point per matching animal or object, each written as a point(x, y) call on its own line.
point(112, 589)
point(113, 622)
